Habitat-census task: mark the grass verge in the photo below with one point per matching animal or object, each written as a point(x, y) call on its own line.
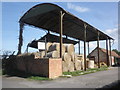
point(77, 73)
point(24, 75)
point(38, 78)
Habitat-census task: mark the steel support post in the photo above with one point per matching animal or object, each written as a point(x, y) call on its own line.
point(98, 51)
point(85, 26)
point(107, 52)
point(45, 47)
point(88, 48)
point(79, 47)
point(61, 32)
point(110, 52)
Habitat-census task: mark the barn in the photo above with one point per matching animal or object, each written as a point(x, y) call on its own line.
point(59, 52)
point(113, 56)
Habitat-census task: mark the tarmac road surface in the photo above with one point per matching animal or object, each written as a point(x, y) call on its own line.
point(93, 80)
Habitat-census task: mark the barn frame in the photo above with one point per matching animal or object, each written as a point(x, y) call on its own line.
point(51, 17)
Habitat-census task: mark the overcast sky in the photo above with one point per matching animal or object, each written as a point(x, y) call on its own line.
point(103, 16)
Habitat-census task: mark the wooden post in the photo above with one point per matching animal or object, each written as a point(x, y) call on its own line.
point(110, 51)
point(20, 38)
point(61, 32)
point(88, 48)
point(107, 52)
point(79, 47)
point(45, 47)
point(98, 51)
point(85, 26)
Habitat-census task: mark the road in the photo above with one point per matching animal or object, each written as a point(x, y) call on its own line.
point(93, 80)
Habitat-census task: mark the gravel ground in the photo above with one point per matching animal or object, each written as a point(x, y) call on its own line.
point(93, 80)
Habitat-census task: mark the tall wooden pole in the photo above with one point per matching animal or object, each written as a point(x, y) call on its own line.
point(45, 47)
point(110, 52)
point(85, 26)
point(79, 47)
point(107, 52)
point(98, 51)
point(20, 38)
point(61, 32)
point(88, 48)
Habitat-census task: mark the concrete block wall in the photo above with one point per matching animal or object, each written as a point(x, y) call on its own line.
point(48, 67)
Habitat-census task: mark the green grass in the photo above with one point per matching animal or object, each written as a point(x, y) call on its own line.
point(38, 78)
point(77, 73)
point(24, 75)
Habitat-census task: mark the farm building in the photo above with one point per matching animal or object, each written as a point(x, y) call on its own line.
point(113, 56)
point(57, 53)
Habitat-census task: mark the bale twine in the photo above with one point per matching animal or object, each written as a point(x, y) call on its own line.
point(71, 67)
point(69, 48)
point(64, 66)
point(78, 65)
point(53, 54)
point(90, 64)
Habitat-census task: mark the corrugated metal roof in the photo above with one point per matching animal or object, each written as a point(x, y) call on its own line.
point(112, 53)
point(47, 16)
point(105, 51)
point(51, 38)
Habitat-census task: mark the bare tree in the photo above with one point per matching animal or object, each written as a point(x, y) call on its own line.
point(6, 54)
